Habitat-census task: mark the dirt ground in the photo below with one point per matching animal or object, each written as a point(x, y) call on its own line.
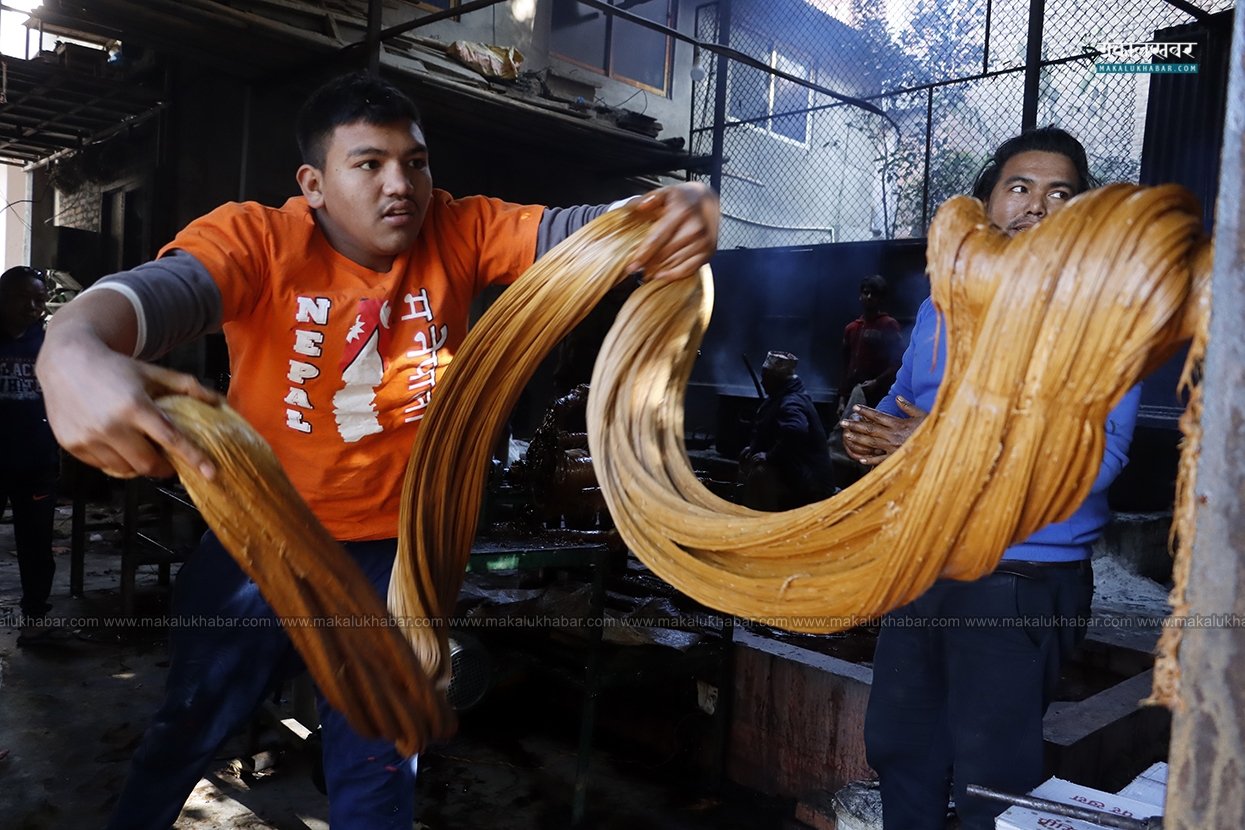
point(71, 715)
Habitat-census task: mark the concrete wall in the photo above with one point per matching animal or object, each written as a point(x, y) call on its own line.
point(781, 192)
point(13, 234)
point(798, 719)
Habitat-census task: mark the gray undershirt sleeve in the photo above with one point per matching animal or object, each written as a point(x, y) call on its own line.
point(558, 223)
point(175, 299)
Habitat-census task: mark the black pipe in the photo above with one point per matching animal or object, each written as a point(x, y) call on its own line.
point(1033, 64)
point(1043, 805)
point(374, 9)
point(753, 375)
point(718, 153)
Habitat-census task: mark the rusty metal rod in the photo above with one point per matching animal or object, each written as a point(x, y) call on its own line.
point(1043, 805)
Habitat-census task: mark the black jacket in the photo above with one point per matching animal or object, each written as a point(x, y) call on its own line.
point(789, 432)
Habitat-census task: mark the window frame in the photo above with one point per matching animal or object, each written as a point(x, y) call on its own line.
point(428, 7)
point(765, 124)
point(608, 71)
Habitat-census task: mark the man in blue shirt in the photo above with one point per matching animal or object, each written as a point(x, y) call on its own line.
point(963, 675)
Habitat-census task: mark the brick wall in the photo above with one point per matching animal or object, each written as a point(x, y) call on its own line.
point(79, 210)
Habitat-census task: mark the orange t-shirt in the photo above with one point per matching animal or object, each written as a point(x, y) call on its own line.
point(333, 363)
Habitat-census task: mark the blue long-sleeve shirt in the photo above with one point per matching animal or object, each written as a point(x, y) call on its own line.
point(917, 382)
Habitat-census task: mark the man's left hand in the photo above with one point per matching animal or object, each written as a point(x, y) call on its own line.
point(685, 235)
point(871, 439)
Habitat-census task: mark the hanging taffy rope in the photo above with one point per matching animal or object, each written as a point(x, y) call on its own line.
point(328, 606)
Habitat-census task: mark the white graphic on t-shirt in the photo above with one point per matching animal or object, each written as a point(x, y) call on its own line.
point(418, 306)
point(17, 379)
point(424, 378)
point(307, 343)
point(363, 368)
point(313, 310)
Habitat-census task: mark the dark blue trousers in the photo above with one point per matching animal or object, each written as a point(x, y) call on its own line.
point(32, 493)
point(229, 652)
point(961, 679)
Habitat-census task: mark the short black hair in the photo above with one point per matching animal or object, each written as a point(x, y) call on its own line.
point(877, 284)
point(18, 272)
point(1049, 139)
point(349, 99)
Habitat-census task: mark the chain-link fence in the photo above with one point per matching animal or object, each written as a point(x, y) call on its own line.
point(800, 167)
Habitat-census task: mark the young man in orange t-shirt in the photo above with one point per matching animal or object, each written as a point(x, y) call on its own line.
point(341, 309)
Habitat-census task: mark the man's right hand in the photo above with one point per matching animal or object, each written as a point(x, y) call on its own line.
point(100, 403)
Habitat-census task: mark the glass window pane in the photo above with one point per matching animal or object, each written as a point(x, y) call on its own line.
point(748, 92)
point(578, 33)
point(790, 98)
point(640, 54)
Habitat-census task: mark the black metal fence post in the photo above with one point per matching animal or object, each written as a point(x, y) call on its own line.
point(719, 101)
point(1033, 64)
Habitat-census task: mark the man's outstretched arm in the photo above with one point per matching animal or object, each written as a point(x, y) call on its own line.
point(100, 401)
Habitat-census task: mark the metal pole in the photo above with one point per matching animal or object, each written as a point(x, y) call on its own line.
point(246, 142)
point(929, 134)
point(77, 532)
point(1200, 14)
point(985, 50)
point(1033, 64)
point(1208, 732)
point(719, 95)
point(588, 717)
point(724, 708)
point(374, 9)
point(1042, 805)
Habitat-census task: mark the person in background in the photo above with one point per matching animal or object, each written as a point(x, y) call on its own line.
point(953, 703)
point(786, 463)
point(29, 457)
point(872, 346)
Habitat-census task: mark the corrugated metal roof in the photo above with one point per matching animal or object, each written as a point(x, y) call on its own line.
point(51, 104)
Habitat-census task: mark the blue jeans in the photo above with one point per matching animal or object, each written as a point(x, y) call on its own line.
point(962, 676)
point(228, 653)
